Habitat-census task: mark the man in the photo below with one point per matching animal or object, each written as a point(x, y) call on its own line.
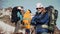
point(40, 20)
point(27, 20)
point(16, 18)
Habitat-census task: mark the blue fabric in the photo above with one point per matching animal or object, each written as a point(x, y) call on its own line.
point(38, 20)
point(46, 19)
point(28, 31)
point(40, 29)
point(20, 16)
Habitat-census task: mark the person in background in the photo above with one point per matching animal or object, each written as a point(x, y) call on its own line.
point(27, 20)
point(16, 17)
point(40, 20)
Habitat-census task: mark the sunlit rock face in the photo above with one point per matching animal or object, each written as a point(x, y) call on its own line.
point(5, 11)
point(57, 31)
point(8, 29)
point(5, 28)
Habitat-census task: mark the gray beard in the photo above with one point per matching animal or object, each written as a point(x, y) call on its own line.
point(38, 11)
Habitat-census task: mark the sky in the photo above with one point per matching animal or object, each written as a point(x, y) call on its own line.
point(31, 4)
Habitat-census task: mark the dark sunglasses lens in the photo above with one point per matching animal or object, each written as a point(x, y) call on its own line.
point(36, 8)
point(39, 8)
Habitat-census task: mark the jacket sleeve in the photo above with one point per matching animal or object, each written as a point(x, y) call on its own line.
point(45, 19)
point(33, 22)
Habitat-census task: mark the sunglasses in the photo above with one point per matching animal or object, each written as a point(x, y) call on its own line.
point(38, 8)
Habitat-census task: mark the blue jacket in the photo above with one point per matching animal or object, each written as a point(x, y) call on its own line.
point(40, 19)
